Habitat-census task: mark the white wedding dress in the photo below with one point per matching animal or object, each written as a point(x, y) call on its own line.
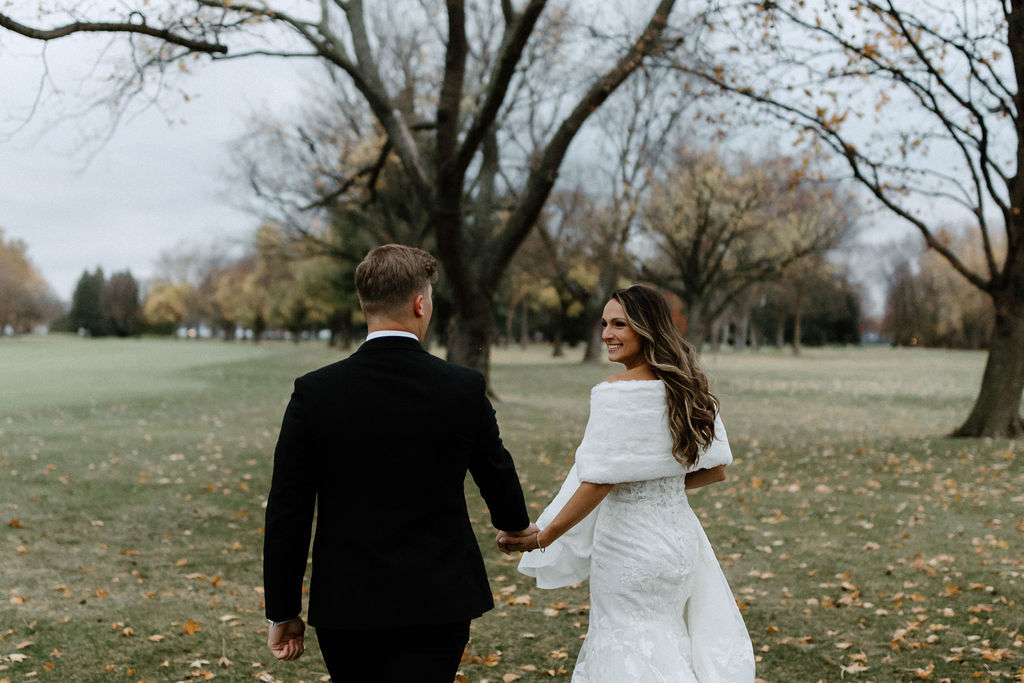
point(660, 608)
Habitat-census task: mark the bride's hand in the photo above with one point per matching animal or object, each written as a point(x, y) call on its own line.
point(510, 542)
point(518, 541)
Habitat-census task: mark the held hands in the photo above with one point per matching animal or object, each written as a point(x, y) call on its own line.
point(286, 639)
point(519, 541)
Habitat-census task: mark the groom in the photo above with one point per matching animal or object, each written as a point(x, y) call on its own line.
point(380, 444)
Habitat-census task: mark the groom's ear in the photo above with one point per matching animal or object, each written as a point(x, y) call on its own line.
point(417, 306)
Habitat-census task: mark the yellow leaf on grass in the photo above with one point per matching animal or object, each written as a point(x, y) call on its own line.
point(191, 627)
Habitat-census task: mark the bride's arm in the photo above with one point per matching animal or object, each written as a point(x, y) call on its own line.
point(583, 501)
point(698, 478)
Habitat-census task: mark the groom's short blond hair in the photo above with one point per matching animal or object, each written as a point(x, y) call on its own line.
point(391, 275)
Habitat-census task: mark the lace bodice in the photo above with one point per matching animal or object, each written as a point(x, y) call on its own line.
point(662, 491)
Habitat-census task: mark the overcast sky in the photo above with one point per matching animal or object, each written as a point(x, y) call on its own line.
point(79, 204)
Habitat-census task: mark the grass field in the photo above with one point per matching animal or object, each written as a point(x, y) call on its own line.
point(861, 544)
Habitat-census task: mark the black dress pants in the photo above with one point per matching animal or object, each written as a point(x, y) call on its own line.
point(425, 654)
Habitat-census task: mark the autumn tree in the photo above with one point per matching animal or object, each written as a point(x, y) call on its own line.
point(718, 226)
point(331, 296)
point(327, 175)
point(520, 293)
point(307, 176)
point(25, 298)
point(922, 104)
point(184, 282)
point(636, 132)
point(171, 305)
point(233, 299)
point(452, 77)
point(822, 306)
point(560, 260)
point(929, 304)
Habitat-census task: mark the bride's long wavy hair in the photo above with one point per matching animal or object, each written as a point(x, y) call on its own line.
point(691, 405)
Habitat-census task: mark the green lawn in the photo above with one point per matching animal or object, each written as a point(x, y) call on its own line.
point(861, 544)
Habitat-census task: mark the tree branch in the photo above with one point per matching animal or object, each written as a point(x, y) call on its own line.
point(111, 27)
point(513, 43)
point(545, 171)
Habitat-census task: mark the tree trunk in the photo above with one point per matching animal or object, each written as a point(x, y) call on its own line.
point(469, 336)
point(742, 327)
point(592, 352)
point(755, 334)
point(509, 319)
point(524, 326)
point(696, 327)
point(557, 345)
point(996, 411)
point(798, 314)
point(606, 282)
point(716, 335)
point(780, 331)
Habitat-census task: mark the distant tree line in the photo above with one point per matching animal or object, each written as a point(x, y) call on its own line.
point(746, 249)
point(277, 286)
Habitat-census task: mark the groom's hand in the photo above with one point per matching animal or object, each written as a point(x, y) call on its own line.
point(510, 541)
point(286, 640)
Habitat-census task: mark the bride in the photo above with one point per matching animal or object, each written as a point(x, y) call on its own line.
point(661, 610)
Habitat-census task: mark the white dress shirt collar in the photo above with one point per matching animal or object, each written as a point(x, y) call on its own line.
point(390, 333)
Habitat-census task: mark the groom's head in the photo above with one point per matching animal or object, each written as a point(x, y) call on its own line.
point(394, 284)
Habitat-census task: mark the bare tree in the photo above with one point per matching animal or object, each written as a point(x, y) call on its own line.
point(922, 102)
point(636, 128)
point(473, 65)
point(716, 229)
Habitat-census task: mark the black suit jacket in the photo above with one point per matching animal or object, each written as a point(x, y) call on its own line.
point(380, 444)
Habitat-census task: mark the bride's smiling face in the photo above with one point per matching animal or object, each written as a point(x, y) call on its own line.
point(622, 341)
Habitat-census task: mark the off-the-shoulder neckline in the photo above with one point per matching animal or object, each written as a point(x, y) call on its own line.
point(627, 381)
